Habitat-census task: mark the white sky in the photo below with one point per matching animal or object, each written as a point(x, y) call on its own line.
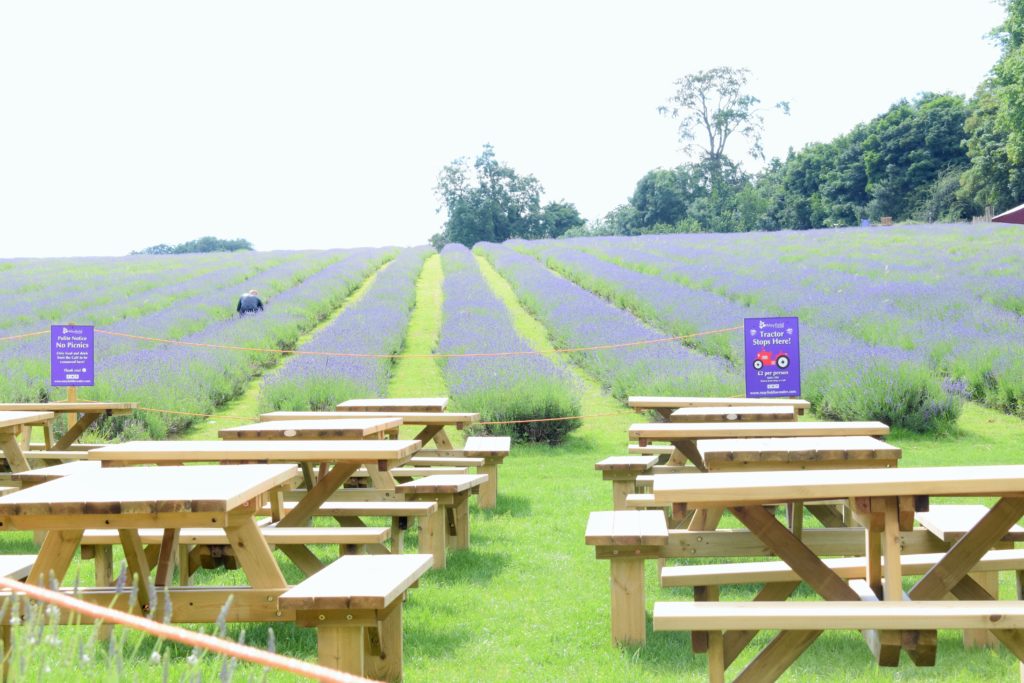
point(325, 124)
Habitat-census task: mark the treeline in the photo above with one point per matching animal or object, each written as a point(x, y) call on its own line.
point(938, 157)
point(200, 246)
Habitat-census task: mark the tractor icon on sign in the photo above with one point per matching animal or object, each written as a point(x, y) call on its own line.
point(764, 358)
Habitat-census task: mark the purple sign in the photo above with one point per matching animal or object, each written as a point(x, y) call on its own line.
point(772, 356)
point(71, 355)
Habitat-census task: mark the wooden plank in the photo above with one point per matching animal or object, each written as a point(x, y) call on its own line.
point(16, 460)
point(316, 496)
point(104, 407)
point(75, 430)
point(746, 430)
point(674, 402)
point(312, 429)
point(950, 522)
point(488, 446)
point(443, 483)
point(459, 420)
point(629, 620)
point(626, 463)
point(43, 474)
point(840, 615)
point(734, 414)
point(18, 418)
point(404, 405)
point(728, 488)
point(796, 449)
point(358, 582)
point(824, 542)
point(254, 554)
point(626, 527)
point(266, 451)
point(146, 490)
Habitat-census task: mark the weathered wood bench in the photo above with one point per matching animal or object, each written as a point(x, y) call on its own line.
point(627, 538)
point(210, 547)
point(451, 493)
point(492, 450)
point(355, 604)
point(816, 616)
point(622, 471)
point(348, 514)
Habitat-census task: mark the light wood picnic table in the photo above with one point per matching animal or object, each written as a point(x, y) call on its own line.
point(315, 430)
point(665, 405)
point(129, 499)
point(344, 457)
point(398, 405)
point(12, 424)
point(87, 411)
point(734, 414)
point(683, 437)
point(433, 424)
point(885, 501)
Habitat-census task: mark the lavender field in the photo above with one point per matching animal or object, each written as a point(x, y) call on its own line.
point(899, 324)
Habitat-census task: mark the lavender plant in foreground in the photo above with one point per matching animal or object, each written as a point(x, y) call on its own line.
point(576, 318)
point(375, 324)
point(502, 387)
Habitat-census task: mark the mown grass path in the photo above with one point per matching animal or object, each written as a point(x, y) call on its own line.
point(421, 377)
point(247, 404)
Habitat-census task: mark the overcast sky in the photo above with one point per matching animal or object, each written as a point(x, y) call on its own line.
point(325, 124)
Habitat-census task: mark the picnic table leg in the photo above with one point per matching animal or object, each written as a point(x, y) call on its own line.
point(433, 534)
point(341, 648)
point(12, 451)
point(442, 441)
point(252, 551)
point(184, 564)
point(167, 557)
point(620, 489)
point(488, 498)
point(75, 431)
point(138, 565)
point(459, 527)
point(318, 494)
point(303, 558)
point(430, 433)
point(55, 555)
point(629, 622)
point(385, 659)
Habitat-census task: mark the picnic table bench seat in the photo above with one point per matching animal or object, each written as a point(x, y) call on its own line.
point(491, 449)
point(950, 522)
point(75, 447)
point(211, 547)
point(397, 405)
point(622, 471)
point(355, 604)
point(627, 538)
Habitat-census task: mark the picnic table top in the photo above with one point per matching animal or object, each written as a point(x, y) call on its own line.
point(116, 407)
point(20, 418)
point(147, 490)
point(313, 429)
point(734, 414)
point(725, 430)
point(41, 474)
point(796, 448)
point(290, 451)
point(729, 489)
point(404, 405)
point(651, 402)
point(443, 419)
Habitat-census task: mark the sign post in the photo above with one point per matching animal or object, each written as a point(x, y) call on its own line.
point(71, 360)
point(772, 356)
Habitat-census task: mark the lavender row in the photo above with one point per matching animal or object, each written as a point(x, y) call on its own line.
point(191, 379)
point(375, 324)
point(831, 358)
point(29, 359)
point(576, 317)
point(501, 388)
point(951, 296)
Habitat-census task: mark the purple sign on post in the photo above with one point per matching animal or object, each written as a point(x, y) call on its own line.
point(772, 356)
point(71, 355)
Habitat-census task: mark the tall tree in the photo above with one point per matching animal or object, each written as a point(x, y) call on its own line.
point(490, 202)
point(713, 106)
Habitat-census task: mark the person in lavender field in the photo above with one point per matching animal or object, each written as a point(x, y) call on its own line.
point(249, 302)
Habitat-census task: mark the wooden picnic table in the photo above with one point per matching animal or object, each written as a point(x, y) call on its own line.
point(344, 457)
point(398, 405)
point(885, 501)
point(734, 414)
point(433, 424)
point(665, 405)
point(12, 424)
point(87, 413)
point(129, 499)
point(370, 428)
point(683, 437)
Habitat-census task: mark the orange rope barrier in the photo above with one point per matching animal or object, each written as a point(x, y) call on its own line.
point(180, 635)
point(300, 352)
point(182, 412)
point(23, 336)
